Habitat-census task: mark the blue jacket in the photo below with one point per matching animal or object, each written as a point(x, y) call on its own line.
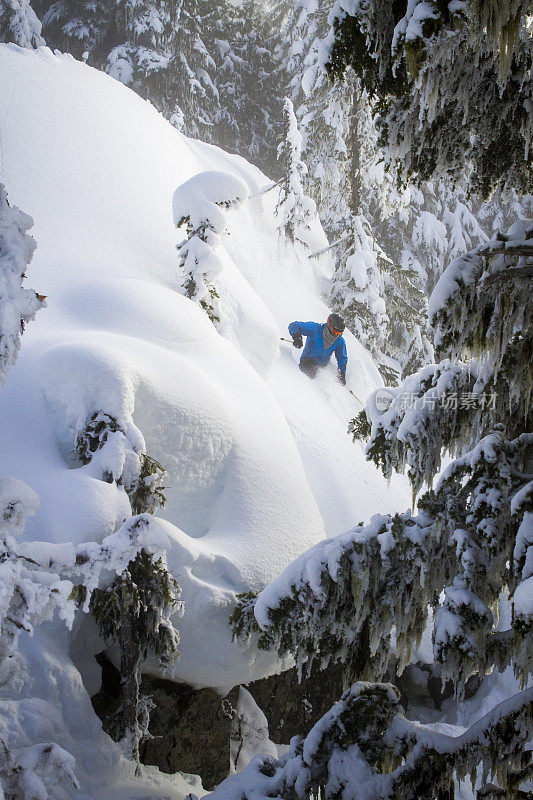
point(314, 344)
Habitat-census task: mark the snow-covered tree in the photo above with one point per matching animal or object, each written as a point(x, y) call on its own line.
point(158, 47)
point(143, 58)
point(250, 83)
point(25, 773)
point(28, 594)
point(416, 230)
point(451, 83)
point(198, 204)
point(192, 93)
point(81, 27)
point(17, 305)
point(381, 298)
point(471, 542)
point(115, 452)
point(357, 287)
point(39, 580)
point(365, 748)
point(19, 24)
point(135, 612)
point(294, 209)
point(323, 111)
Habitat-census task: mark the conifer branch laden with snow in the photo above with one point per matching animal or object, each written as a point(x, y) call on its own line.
point(114, 449)
point(357, 287)
point(472, 538)
point(339, 601)
point(452, 81)
point(135, 612)
point(19, 24)
point(364, 748)
point(39, 580)
point(25, 773)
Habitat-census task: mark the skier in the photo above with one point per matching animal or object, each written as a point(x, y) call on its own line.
point(322, 339)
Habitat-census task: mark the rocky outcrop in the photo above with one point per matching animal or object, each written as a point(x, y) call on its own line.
point(195, 730)
point(191, 730)
point(191, 727)
point(292, 707)
point(198, 731)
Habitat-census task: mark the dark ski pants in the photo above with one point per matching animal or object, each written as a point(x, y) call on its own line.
point(310, 367)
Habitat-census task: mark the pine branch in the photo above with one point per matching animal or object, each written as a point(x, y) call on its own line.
point(512, 272)
point(437, 756)
point(330, 247)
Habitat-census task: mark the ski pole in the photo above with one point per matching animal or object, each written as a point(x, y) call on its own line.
point(354, 394)
point(282, 339)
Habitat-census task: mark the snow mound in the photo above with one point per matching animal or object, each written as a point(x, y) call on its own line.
point(199, 199)
point(259, 464)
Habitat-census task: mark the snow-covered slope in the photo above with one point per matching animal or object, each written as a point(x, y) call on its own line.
point(259, 463)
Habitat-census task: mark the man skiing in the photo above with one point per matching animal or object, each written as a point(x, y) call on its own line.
point(322, 339)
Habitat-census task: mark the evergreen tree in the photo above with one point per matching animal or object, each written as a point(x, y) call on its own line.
point(250, 84)
point(381, 298)
point(192, 94)
point(157, 47)
point(135, 612)
point(26, 775)
point(365, 748)
point(143, 59)
point(114, 451)
point(451, 83)
point(198, 205)
point(84, 28)
point(324, 114)
point(39, 581)
point(19, 24)
point(357, 290)
point(470, 543)
point(294, 209)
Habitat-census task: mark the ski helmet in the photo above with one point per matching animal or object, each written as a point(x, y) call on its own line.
point(335, 323)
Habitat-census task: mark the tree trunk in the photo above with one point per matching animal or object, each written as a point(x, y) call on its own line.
point(130, 679)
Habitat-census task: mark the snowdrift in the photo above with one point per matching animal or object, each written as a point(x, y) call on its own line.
point(259, 463)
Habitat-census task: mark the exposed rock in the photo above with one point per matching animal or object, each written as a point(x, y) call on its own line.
point(191, 730)
point(420, 686)
point(197, 731)
point(292, 708)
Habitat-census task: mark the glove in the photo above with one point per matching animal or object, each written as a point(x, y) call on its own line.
point(297, 340)
point(342, 378)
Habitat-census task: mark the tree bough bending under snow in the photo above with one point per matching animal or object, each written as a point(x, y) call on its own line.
point(451, 81)
point(364, 748)
point(199, 204)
